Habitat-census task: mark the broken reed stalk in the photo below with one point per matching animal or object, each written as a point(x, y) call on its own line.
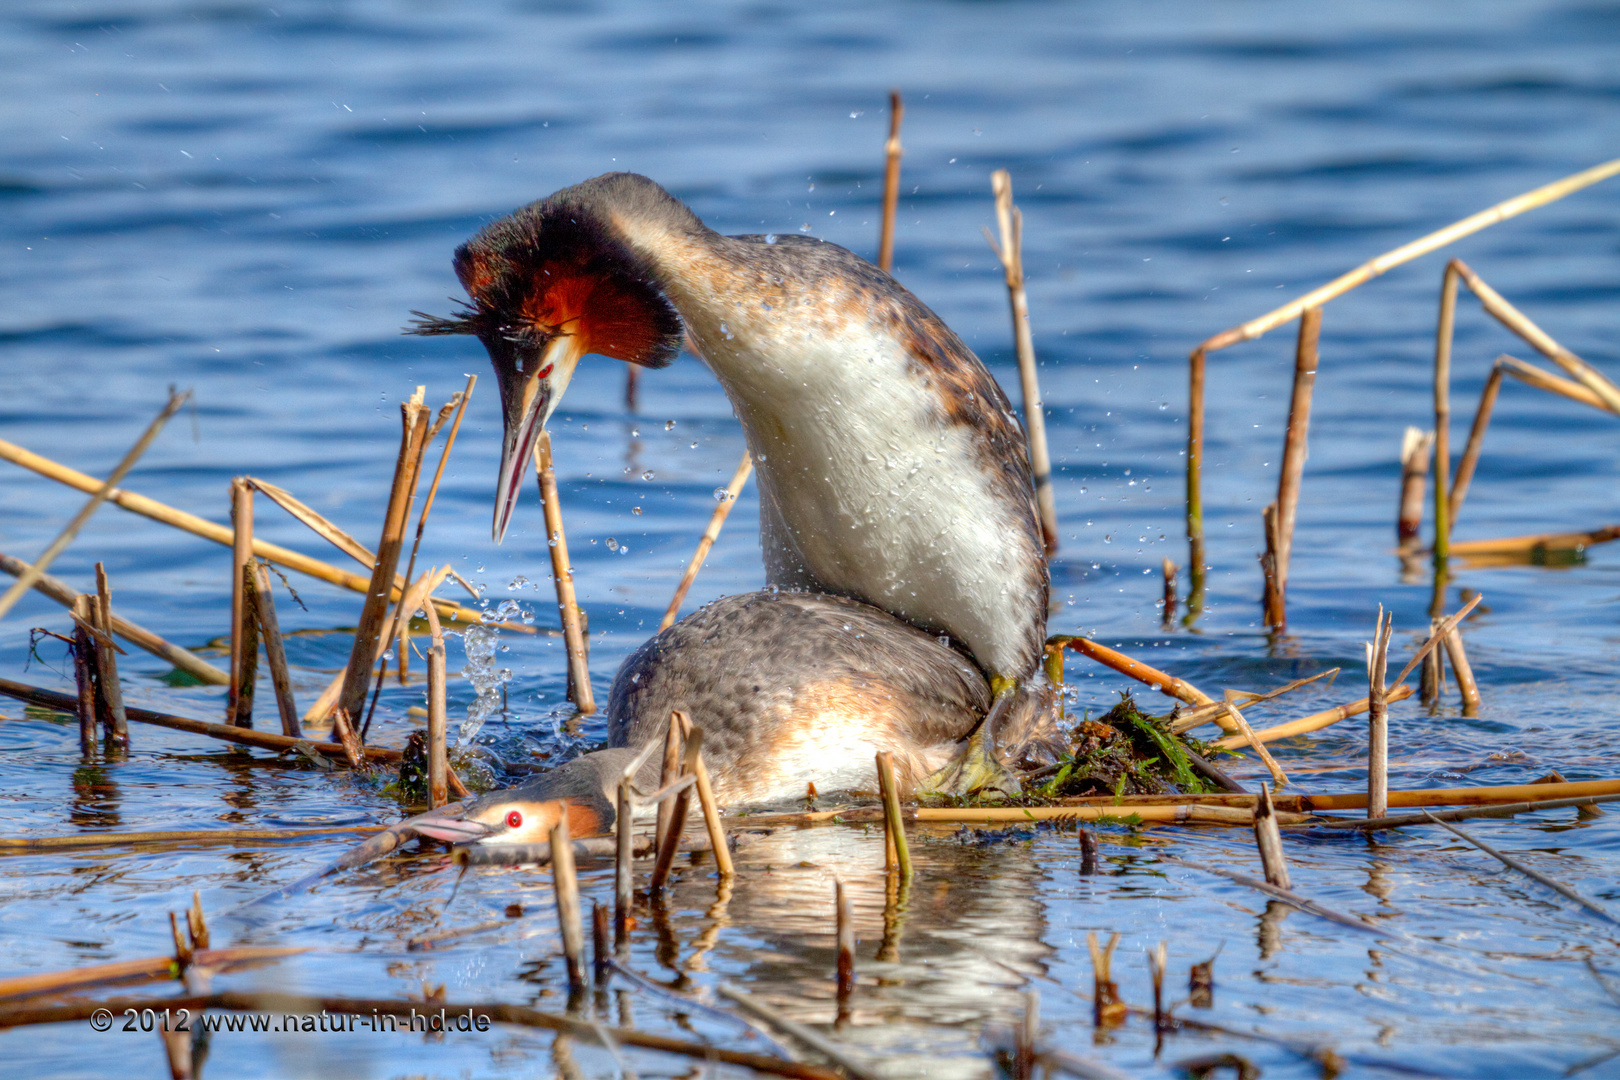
point(1188, 719)
point(1107, 1010)
point(668, 771)
point(1516, 321)
point(1432, 681)
point(357, 675)
point(248, 673)
point(1476, 439)
point(1287, 896)
point(1417, 447)
point(1460, 667)
point(275, 652)
point(1314, 722)
point(710, 808)
point(458, 401)
point(219, 534)
point(710, 535)
point(438, 729)
point(1378, 715)
point(1271, 597)
point(1531, 375)
point(845, 917)
point(566, 885)
point(241, 556)
point(623, 862)
point(419, 595)
point(1442, 416)
point(1558, 887)
point(681, 804)
point(1529, 545)
point(149, 967)
point(84, 660)
point(1088, 852)
point(1158, 962)
point(1011, 253)
point(894, 825)
point(348, 739)
point(891, 183)
point(243, 736)
point(139, 636)
point(1318, 297)
point(1269, 840)
point(562, 572)
point(173, 836)
point(601, 944)
point(1168, 616)
point(1278, 777)
point(1292, 472)
point(102, 492)
point(115, 719)
point(1125, 665)
point(1582, 805)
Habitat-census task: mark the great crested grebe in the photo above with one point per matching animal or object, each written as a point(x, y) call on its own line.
point(892, 470)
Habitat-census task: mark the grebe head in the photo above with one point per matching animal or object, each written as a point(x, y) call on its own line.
point(550, 283)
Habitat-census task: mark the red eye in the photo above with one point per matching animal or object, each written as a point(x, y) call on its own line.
point(514, 820)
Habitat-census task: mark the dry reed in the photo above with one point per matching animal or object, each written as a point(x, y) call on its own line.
point(275, 653)
point(1292, 471)
point(1417, 447)
point(894, 826)
point(1125, 665)
point(1466, 686)
point(562, 572)
point(845, 919)
point(101, 493)
point(679, 808)
point(1267, 838)
point(1476, 439)
point(112, 693)
point(1558, 887)
point(822, 1045)
point(150, 967)
point(219, 534)
point(566, 885)
point(139, 636)
point(1314, 722)
point(438, 729)
point(1107, 1010)
point(173, 836)
point(357, 676)
point(711, 809)
point(1531, 375)
point(243, 736)
point(84, 675)
point(1316, 298)
point(891, 183)
point(710, 535)
point(1378, 715)
point(669, 770)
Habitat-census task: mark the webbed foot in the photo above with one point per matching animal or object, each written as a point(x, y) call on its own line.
point(975, 771)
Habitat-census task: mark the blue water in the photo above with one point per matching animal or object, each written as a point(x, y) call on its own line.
point(248, 200)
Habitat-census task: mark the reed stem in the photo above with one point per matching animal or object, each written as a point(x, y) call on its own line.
point(566, 885)
point(1195, 485)
point(1107, 1010)
point(1271, 597)
point(1460, 667)
point(894, 825)
point(1269, 840)
point(1314, 722)
point(102, 492)
point(438, 716)
point(1168, 616)
point(711, 814)
point(710, 535)
point(116, 720)
point(1417, 447)
point(562, 572)
point(1259, 745)
point(247, 676)
point(668, 771)
point(1011, 253)
point(1291, 474)
point(1531, 375)
point(623, 866)
point(84, 660)
point(357, 676)
point(846, 945)
point(1476, 439)
point(1442, 416)
point(1378, 715)
point(241, 554)
point(275, 652)
point(682, 803)
point(891, 183)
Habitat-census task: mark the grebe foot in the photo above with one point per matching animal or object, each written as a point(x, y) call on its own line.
point(975, 771)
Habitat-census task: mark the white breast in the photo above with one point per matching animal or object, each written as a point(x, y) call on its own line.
point(878, 495)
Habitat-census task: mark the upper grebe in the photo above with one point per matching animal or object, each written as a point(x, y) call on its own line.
point(892, 469)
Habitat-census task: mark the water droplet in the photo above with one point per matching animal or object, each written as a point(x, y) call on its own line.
point(725, 332)
point(612, 544)
point(648, 475)
point(519, 582)
point(669, 425)
point(635, 433)
point(694, 445)
point(770, 238)
point(636, 510)
point(722, 495)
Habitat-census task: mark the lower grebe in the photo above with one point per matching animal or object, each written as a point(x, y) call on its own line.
point(789, 688)
point(892, 470)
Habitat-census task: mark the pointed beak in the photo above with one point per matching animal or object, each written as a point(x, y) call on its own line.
point(531, 384)
point(450, 826)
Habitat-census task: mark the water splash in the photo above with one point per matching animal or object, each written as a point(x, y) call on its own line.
point(480, 643)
